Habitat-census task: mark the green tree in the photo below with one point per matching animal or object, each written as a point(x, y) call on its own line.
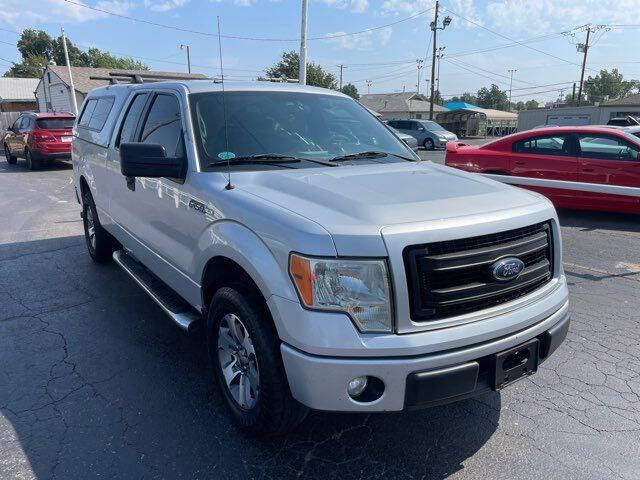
point(351, 90)
point(493, 97)
point(289, 67)
point(30, 67)
point(608, 84)
point(100, 59)
point(465, 97)
point(531, 104)
point(38, 49)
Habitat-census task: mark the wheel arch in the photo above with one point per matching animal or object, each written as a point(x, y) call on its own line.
point(231, 254)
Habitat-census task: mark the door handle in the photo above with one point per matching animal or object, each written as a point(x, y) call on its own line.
point(587, 170)
point(519, 162)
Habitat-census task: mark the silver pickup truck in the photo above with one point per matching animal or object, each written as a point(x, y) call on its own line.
point(330, 268)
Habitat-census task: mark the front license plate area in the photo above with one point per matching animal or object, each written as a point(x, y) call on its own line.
point(66, 139)
point(515, 363)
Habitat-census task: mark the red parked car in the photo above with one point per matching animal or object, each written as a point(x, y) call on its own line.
point(39, 137)
point(575, 154)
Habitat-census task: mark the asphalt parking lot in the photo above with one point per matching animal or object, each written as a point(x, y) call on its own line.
point(96, 383)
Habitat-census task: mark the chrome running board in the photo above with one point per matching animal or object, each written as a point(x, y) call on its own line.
point(175, 306)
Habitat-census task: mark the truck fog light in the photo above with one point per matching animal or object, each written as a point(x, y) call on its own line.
point(356, 386)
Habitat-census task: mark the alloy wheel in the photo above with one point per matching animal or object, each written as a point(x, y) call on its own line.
point(238, 362)
point(91, 227)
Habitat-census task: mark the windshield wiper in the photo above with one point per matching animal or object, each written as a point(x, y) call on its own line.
point(365, 155)
point(358, 156)
point(272, 158)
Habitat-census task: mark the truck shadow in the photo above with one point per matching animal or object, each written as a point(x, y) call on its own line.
point(592, 220)
point(96, 382)
point(21, 166)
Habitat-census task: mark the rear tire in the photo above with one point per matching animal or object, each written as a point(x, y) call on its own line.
point(428, 144)
point(11, 160)
point(99, 243)
point(251, 350)
point(32, 163)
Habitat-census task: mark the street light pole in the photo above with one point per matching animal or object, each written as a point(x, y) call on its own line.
point(303, 45)
point(419, 61)
point(182, 47)
point(511, 72)
point(74, 102)
point(369, 82)
point(341, 67)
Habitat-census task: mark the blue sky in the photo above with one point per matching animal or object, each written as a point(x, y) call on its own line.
point(541, 54)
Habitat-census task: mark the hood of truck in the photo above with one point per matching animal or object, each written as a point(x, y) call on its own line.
point(354, 203)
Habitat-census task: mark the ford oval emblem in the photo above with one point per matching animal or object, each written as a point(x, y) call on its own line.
point(507, 269)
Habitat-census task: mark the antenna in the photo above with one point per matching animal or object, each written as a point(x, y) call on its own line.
point(224, 113)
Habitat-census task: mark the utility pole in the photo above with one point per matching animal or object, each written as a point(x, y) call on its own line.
point(439, 56)
point(434, 28)
point(511, 72)
point(74, 102)
point(419, 62)
point(341, 67)
point(182, 47)
point(573, 94)
point(369, 82)
point(303, 44)
point(583, 47)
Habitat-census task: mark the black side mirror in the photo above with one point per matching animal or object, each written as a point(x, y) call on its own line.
point(149, 160)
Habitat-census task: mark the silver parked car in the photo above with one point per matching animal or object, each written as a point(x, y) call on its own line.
point(408, 139)
point(429, 134)
point(327, 266)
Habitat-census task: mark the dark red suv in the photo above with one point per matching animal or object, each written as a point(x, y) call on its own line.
point(39, 137)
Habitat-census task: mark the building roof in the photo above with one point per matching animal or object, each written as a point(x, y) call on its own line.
point(628, 101)
point(87, 78)
point(489, 112)
point(460, 106)
point(18, 89)
point(398, 102)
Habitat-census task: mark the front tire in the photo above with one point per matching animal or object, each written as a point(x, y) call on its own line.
point(11, 160)
point(99, 242)
point(244, 350)
point(428, 144)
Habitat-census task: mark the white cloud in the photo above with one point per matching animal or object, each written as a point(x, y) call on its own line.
point(542, 16)
point(361, 41)
point(239, 3)
point(355, 6)
point(406, 8)
point(164, 5)
point(19, 15)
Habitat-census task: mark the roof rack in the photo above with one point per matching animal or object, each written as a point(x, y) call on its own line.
point(124, 77)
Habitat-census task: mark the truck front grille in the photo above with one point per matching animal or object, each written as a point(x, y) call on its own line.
point(453, 277)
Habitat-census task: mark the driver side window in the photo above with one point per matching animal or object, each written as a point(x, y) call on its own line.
point(606, 147)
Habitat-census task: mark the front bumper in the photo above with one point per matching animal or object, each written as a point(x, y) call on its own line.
point(443, 143)
point(320, 382)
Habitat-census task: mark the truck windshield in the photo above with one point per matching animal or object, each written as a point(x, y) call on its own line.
point(296, 124)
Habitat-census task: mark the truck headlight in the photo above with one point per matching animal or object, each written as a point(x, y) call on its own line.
point(359, 288)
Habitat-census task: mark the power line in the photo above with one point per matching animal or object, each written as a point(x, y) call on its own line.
point(511, 39)
point(493, 73)
point(240, 37)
